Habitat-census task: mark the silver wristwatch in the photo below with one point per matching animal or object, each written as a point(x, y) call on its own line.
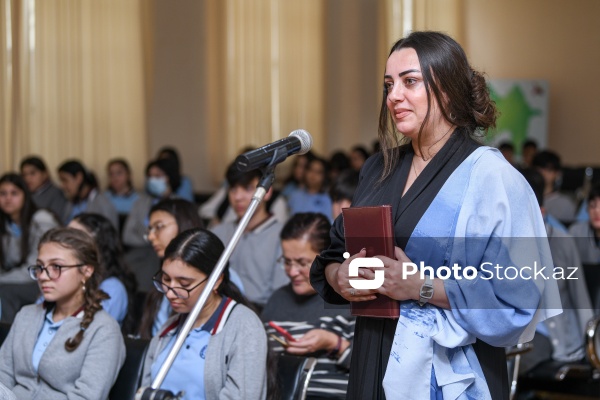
point(426, 292)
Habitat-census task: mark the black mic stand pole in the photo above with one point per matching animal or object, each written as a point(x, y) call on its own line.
point(262, 189)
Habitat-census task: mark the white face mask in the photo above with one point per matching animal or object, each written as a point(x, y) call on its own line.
point(156, 186)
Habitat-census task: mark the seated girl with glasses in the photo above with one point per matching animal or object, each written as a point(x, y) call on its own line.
point(318, 330)
point(68, 347)
point(225, 353)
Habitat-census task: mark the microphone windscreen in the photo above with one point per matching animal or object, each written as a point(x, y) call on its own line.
point(305, 138)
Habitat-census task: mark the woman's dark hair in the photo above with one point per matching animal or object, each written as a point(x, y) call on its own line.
point(201, 249)
point(123, 163)
point(314, 227)
point(84, 249)
point(111, 256)
point(171, 168)
point(461, 92)
point(170, 153)
point(26, 215)
point(73, 168)
point(339, 161)
point(35, 162)
point(185, 213)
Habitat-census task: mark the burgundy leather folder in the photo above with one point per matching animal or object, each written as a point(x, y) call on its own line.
point(371, 228)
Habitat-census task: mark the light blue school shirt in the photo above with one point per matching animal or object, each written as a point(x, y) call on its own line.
point(185, 190)
point(187, 371)
point(123, 203)
point(45, 336)
point(118, 303)
point(301, 201)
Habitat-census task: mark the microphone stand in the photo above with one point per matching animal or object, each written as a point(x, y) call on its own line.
point(263, 187)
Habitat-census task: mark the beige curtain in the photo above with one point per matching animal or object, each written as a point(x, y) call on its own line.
point(260, 58)
point(75, 87)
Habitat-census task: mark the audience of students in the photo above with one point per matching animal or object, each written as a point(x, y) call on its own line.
point(342, 191)
point(560, 338)
point(224, 356)
point(22, 225)
point(68, 347)
point(45, 193)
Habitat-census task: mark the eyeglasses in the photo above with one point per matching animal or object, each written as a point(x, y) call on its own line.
point(180, 292)
point(288, 263)
point(53, 270)
point(156, 228)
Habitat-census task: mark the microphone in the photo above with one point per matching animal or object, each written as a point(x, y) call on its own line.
point(298, 142)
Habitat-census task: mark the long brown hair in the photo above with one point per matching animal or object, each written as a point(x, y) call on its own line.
point(461, 92)
point(83, 248)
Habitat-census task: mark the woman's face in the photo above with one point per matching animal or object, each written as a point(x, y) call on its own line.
point(158, 182)
point(11, 199)
point(70, 183)
point(178, 274)
point(162, 229)
point(67, 288)
point(298, 256)
point(34, 178)
point(594, 212)
point(118, 177)
point(407, 97)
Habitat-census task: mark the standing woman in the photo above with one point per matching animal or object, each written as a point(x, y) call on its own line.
point(225, 354)
point(81, 188)
point(22, 225)
point(67, 347)
point(116, 280)
point(45, 193)
point(454, 201)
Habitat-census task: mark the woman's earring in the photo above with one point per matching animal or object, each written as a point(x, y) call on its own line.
point(452, 116)
point(83, 286)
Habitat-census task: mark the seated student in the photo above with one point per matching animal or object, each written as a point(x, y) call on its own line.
point(528, 151)
point(255, 256)
point(81, 188)
point(342, 191)
point(557, 204)
point(508, 151)
point(45, 193)
point(117, 280)
point(22, 225)
point(320, 330)
point(67, 347)
point(313, 197)
point(120, 190)
point(587, 233)
point(185, 189)
point(225, 354)
point(560, 338)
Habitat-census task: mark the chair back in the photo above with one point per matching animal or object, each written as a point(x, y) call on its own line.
point(130, 375)
point(293, 374)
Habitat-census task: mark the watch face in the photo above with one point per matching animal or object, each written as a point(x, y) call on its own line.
point(426, 292)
